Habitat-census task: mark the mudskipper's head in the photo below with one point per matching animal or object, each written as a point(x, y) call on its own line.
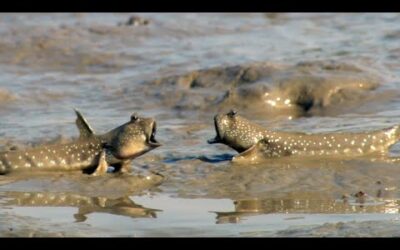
point(134, 138)
point(236, 131)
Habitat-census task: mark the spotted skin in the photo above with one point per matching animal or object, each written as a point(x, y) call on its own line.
point(116, 148)
point(251, 140)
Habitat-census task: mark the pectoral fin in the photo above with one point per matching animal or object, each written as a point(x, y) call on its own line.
point(251, 155)
point(84, 128)
point(126, 167)
point(260, 151)
point(102, 164)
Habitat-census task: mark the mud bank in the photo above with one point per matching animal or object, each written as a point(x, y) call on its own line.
point(113, 185)
point(306, 89)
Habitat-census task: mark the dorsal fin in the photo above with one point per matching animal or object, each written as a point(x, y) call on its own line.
point(84, 128)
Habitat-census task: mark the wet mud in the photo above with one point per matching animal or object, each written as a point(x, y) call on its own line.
point(290, 72)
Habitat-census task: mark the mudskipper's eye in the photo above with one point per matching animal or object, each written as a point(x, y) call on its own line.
point(134, 117)
point(232, 113)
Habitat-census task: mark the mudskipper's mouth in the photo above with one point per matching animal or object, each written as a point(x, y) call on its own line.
point(152, 141)
point(217, 138)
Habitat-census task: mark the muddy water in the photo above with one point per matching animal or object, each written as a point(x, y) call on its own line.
point(293, 72)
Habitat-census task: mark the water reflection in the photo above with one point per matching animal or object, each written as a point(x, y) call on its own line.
point(210, 159)
point(86, 205)
point(345, 205)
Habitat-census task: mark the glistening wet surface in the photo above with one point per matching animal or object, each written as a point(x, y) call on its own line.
point(291, 72)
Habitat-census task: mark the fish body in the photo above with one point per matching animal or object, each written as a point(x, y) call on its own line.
point(253, 141)
point(90, 151)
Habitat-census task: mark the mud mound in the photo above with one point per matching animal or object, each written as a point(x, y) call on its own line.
point(304, 89)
